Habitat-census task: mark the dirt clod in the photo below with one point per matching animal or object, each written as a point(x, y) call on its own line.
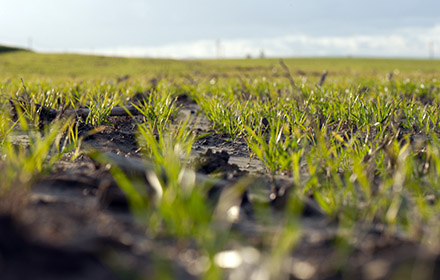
point(215, 162)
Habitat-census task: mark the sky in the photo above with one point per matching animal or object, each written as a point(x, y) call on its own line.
point(224, 28)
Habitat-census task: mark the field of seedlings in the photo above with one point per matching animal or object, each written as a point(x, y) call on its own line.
point(311, 168)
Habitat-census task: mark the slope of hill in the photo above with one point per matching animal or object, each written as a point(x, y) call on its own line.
point(4, 49)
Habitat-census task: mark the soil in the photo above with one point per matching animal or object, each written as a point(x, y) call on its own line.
point(75, 222)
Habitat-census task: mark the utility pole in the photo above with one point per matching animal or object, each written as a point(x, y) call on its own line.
point(29, 43)
point(218, 46)
point(431, 50)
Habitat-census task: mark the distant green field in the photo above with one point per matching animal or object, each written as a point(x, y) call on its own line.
point(29, 64)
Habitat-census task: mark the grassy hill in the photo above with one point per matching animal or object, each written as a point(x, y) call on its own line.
point(5, 49)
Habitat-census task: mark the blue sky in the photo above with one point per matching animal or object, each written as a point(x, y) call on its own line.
point(192, 28)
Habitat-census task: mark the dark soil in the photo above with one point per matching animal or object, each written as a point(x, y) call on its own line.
point(75, 222)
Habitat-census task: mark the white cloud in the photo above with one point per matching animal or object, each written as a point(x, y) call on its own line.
point(409, 42)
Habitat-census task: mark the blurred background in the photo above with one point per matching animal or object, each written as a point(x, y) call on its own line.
point(225, 29)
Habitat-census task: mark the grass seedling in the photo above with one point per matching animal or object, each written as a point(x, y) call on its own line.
point(74, 139)
point(158, 109)
point(100, 105)
point(21, 164)
point(277, 148)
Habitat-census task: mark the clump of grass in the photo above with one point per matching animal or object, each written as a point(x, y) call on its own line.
point(158, 110)
point(21, 163)
point(73, 140)
point(100, 103)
